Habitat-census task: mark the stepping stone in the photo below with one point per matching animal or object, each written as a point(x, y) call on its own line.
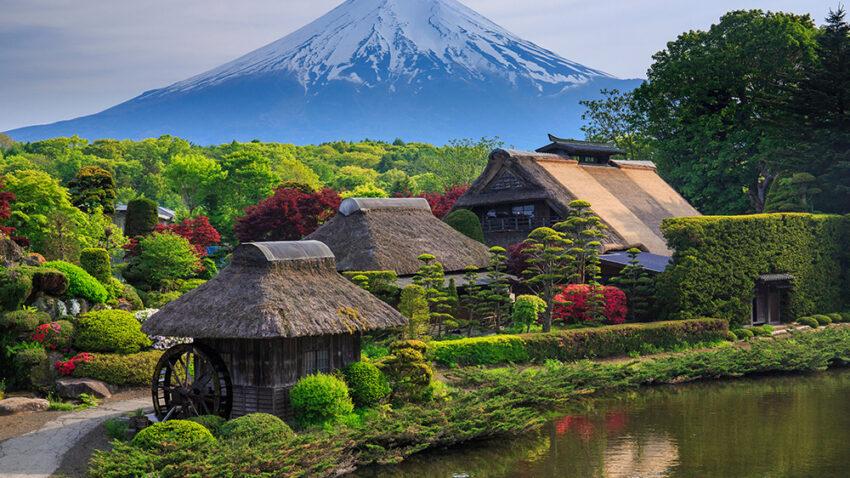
point(73, 387)
point(13, 405)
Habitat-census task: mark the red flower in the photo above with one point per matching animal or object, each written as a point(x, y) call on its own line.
point(576, 310)
point(68, 366)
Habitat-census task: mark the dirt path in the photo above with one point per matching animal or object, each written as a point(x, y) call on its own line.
point(38, 454)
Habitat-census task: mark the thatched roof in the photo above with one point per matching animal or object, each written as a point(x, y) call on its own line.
point(274, 289)
point(389, 234)
point(629, 196)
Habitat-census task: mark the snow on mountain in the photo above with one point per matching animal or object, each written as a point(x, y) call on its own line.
point(422, 70)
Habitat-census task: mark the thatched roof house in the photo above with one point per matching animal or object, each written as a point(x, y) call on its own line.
point(519, 191)
point(274, 290)
point(389, 234)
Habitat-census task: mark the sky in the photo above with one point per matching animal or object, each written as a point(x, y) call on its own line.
point(60, 59)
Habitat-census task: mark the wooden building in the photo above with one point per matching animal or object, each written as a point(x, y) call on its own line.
point(278, 312)
point(585, 152)
point(520, 191)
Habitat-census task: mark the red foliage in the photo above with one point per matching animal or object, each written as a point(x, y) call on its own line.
point(576, 311)
point(288, 215)
point(198, 231)
point(67, 367)
point(6, 199)
point(442, 203)
point(517, 258)
point(577, 423)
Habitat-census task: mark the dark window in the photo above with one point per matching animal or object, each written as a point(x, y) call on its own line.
point(526, 210)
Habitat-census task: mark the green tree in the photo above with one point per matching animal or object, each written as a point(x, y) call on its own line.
point(6, 142)
point(550, 265)
point(431, 277)
point(704, 110)
point(365, 191)
point(526, 311)
point(585, 231)
point(465, 222)
point(162, 259)
point(473, 300)
point(638, 286)
point(249, 179)
point(193, 176)
point(461, 161)
point(395, 181)
point(141, 218)
point(614, 118)
point(793, 194)
point(350, 177)
point(92, 188)
point(497, 292)
point(414, 306)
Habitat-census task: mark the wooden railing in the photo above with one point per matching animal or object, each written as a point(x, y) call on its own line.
point(515, 223)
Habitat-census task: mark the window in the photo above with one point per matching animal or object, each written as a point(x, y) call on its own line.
point(526, 210)
point(315, 356)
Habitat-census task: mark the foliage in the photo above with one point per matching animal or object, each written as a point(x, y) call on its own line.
point(162, 258)
point(380, 283)
point(365, 191)
point(194, 177)
point(96, 261)
point(822, 319)
point(517, 258)
point(572, 304)
point(198, 231)
point(442, 203)
point(762, 330)
point(54, 335)
point(549, 265)
point(110, 331)
point(156, 299)
point(21, 323)
point(717, 261)
point(615, 118)
point(794, 193)
point(586, 230)
point(67, 367)
point(497, 292)
point(744, 334)
point(15, 286)
point(466, 222)
point(182, 432)
point(130, 294)
point(256, 428)
point(116, 428)
point(810, 321)
point(212, 423)
point(120, 369)
point(93, 188)
point(576, 344)
point(320, 398)
point(526, 311)
point(288, 215)
point(638, 286)
point(431, 277)
point(414, 306)
point(407, 371)
point(80, 283)
point(366, 383)
point(6, 199)
point(142, 217)
point(30, 365)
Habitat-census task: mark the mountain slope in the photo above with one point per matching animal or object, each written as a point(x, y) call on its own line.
point(428, 70)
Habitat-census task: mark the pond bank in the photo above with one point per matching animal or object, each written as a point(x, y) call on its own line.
point(488, 403)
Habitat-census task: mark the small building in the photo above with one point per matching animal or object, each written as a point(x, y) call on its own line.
point(278, 312)
point(371, 234)
point(770, 303)
point(119, 217)
point(520, 191)
point(585, 152)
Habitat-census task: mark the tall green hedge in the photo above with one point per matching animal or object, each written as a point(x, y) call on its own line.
point(142, 217)
point(96, 261)
point(718, 259)
point(467, 223)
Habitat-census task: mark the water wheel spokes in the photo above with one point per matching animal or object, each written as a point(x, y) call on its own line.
point(191, 380)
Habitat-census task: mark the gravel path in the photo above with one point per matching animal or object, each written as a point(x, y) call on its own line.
point(38, 454)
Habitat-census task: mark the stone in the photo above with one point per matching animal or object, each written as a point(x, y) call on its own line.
point(11, 254)
point(73, 387)
point(54, 307)
point(13, 405)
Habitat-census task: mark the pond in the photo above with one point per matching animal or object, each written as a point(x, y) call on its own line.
point(789, 426)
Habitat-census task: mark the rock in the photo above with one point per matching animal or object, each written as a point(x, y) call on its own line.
point(13, 405)
point(54, 307)
point(73, 387)
point(11, 254)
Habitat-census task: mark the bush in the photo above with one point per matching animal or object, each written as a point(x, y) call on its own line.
point(212, 423)
point(465, 222)
point(698, 281)
point(142, 217)
point(54, 335)
point(598, 342)
point(845, 316)
point(15, 286)
point(162, 259)
point(130, 294)
point(810, 321)
point(578, 297)
point(50, 281)
point(183, 433)
point(117, 369)
point(155, 300)
point(407, 371)
point(836, 317)
point(366, 384)
point(762, 330)
point(208, 269)
point(80, 283)
point(731, 336)
point(320, 398)
point(526, 310)
point(96, 261)
point(31, 367)
point(823, 319)
point(256, 428)
point(189, 284)
point(110, 331)
point(21, 323)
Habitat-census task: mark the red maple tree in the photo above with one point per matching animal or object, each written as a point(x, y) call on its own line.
point(288, 215)
point(442, 203)
point(6, 199)
point(198, 231)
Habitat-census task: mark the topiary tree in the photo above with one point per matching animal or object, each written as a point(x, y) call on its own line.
point(182, 433)
point(585, 229)
point(414, 306)
point(142, 217)
point(96, 262)
point(497, 292)
point(110, 331)
point(407, 371)
point(366, 383)
point(255, 428)
point(80, 283)
point(467, 223)
point(638, 286)
point(527, 310)
point(320, 398)
point(431, 277)
point(550, 264)
point(161, 259)
point(93, 188)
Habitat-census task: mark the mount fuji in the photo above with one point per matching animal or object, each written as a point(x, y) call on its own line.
point(423, 70)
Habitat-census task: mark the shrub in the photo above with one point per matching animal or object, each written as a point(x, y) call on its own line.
point(130, 294)
point(698, 281)
point(526, 310)
point(183, 433)
point(15, 286)
point(189, 284)
point(256, 428)
point(142, 217)
point(114, 287)
point(155, 300)
point(212, 423)
point(162, 258)
point(744, 334)
point(731, 336)
point(320, 398)
point(117, 369)
point(762, 330)
point(80, 283)
point(810, 321)
point(96, 262)
point(465, 222)
point(366, 384)
point(54, 335)
point(110, 331)
point(836, 317)
point(598, 342)
point(31, 366)
point(578, 298)
point(414, 305)
point(407, 371)
point(208, 269)
point(845, 316)
point(823, 319)
point(67, 367)
point(21, 323)
point(50, 281)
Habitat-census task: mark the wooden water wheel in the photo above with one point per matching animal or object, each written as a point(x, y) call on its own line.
point(191, 380)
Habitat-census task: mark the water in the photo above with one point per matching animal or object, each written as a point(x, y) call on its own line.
point(791, 426)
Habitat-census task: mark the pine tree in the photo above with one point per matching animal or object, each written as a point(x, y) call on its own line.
point(638, 286)
point(431, 276)
point(414, 306)
point(473, 300)
point(498, 290)
point(550, 265)
point(585, 230)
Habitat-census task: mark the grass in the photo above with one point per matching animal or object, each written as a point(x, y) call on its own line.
point(86, 401)
point(116, 428)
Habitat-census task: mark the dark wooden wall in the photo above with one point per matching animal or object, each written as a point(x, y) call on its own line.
point(263, 370)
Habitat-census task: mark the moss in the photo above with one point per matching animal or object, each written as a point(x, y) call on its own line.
point(183, 433)
point(467, 223)
point(50, 281)
point(80, 283)
point(110, 331)
point(15, 286)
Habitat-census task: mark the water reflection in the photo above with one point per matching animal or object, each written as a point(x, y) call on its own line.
point(769, 427)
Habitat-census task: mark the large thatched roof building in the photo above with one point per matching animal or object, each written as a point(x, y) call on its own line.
point(520, 191)
point(372, 234)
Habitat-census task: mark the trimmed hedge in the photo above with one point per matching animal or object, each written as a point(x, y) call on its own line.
point(256, 428)
point(117, 369)
point(810, 321)
point(366, 384)
point(597, 342)
point(110, 331)
point(96, 261)
point(142, 217)
point(183, 433)
point(212, 423)
point(80, 283)
point(320, 398)
point(718, 259)
point(467, 223)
